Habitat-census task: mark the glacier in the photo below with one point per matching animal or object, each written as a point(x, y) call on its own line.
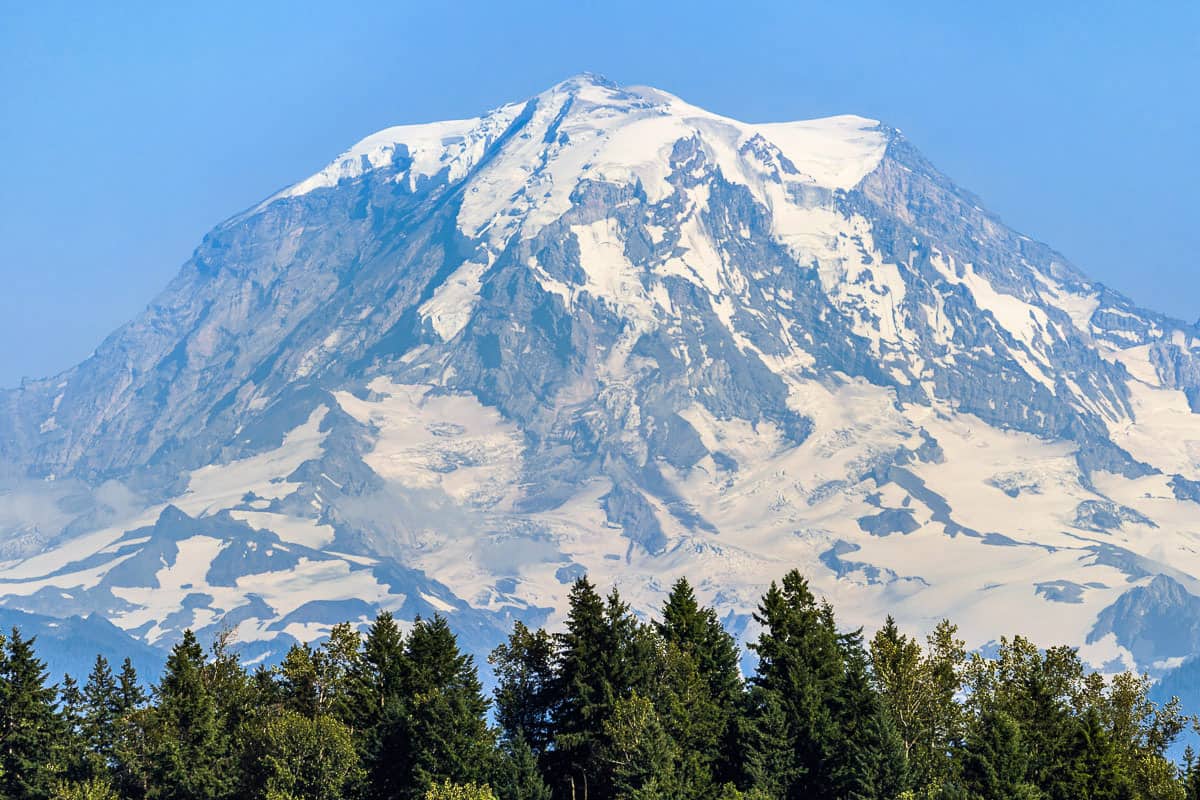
point(604, 331)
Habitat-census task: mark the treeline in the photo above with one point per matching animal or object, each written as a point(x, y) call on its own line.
point(611, 708)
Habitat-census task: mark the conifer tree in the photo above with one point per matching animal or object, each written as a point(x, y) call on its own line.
point(102, 707)
point(298, 681)
point(604, 655)
point(693, 719)
point(131, 696)
point(995, 761)
point(73, 763)
point(584, 694)
point(70, 706)
point(1092, 769)
point(769, 766)
point(868, 757)
point(447, 710)
point(800, 663)
point(229, 685)
point(702, 716)
point(187, 748)
point(380, 675)
point(376, 708)
point(524, 670)
point(517, 775)
point(130, 750)
point(29, 723)
point(1190, 778)
point(697, 631)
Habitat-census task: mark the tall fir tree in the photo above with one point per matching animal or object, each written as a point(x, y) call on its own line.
point(30, 728)
point(995, 760)
point(381, 673)
point(131, 696)
point(74, 763)
point(524, 694)
point(102, 706)
point(188, 750)
point(800, 663)
point(604, 655)
point(70, 706)
point(698, 631)
point(1190, 778)
point(769, 765)
point(298, 682)
point(447, 711)
point(130, 749)
point(376, 709)
point(584, 695)
point(868, 756)
point(517, 775)
point(700, 688)
point(1092, 769)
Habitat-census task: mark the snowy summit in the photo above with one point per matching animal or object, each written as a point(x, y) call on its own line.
point(605, 331)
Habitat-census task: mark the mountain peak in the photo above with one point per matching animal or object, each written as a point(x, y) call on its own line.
point(605, 331)
point(582, 80)
point(588, 127)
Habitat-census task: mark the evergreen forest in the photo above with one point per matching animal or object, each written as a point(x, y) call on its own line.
point(610, 707)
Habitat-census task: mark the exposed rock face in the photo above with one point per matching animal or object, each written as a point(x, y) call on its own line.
point(606, 331)
point(1158, 621)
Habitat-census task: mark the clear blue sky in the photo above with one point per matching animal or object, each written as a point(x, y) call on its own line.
point(129, 129)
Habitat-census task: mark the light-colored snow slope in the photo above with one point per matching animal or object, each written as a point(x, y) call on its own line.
point(607, 332)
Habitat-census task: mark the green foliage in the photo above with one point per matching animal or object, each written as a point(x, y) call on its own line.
point(524, 669)
point(868, 758)
point(699, 692)
point(611, 708)
point(130, 694)
point(447, 711)
point(30, 724)
point(917, 689)
point(102, 710)
point(88, 789)
point(375, 707)
point(517, 774)
point(455, 791)
point(996, 760)
point(308, 758)
point(800, 668)
point(640, 755)
point(586, 688)
point(297, 681)
point(188, 751)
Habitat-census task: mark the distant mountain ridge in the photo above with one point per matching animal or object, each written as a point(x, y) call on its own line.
point(606, 331)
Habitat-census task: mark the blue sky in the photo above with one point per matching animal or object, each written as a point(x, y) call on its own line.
point(129, 129)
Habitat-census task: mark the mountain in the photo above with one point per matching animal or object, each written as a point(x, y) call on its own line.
point(606, 331)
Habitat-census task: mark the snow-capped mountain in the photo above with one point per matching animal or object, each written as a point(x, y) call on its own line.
point(606, 331)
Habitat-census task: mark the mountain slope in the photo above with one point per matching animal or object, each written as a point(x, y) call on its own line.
point(607, 331)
